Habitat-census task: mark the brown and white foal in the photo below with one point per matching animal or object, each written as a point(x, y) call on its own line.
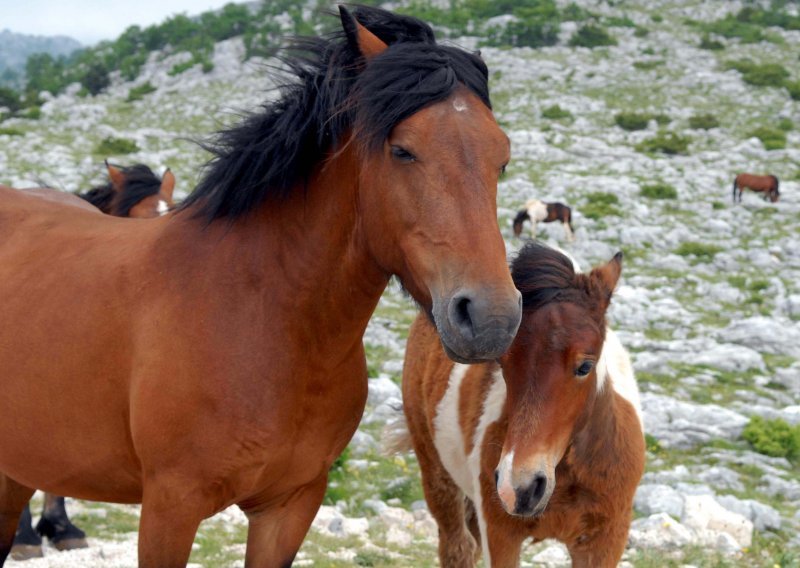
point(536, 211)
point(546, 444)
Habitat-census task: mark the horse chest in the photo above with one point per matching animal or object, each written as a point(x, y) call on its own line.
point(462, 419)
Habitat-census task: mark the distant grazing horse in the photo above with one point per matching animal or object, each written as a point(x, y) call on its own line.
point(536, 211)
point(131, 192)
point(214, 356)
point(768, 185)
point(546, 444)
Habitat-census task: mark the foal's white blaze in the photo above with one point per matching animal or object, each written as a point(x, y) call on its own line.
point(447, 436)
point(162, 207)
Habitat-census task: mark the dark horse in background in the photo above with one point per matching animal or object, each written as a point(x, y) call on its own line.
point(214, 356)
point(134, 192)
point(768, 185)
point(538, 211)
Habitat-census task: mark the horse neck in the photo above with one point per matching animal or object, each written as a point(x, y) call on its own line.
point(602, 447)
point(309, 253)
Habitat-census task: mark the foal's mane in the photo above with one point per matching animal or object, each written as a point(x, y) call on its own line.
point(331, 93)
point(140, 182)
point(544, 275)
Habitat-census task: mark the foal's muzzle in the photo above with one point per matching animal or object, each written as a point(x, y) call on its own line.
point(477, 326)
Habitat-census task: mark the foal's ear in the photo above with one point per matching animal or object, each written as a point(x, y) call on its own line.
point(116, 176)
point(608, 274)
point(360, 38)
point(168, 184)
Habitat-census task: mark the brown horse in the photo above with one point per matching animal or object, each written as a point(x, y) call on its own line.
point(536, 211)
point(546, 444)
point(214, 356)
point(768, 185)
point(133, 192)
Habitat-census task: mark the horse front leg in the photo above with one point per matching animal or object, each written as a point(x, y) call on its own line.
point(172, 510)
point(13, 499)
point(57, 527)
point(276, 531)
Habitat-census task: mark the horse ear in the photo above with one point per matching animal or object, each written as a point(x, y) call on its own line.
point(168, 184)
point(116, 176)
point(367, 43)
point(609, 273)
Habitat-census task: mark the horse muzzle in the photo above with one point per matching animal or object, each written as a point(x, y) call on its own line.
point(475, 326)
point(524, 494)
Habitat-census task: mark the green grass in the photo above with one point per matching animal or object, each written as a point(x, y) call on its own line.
point(701, 252)
point(600, 205)
point(632, 120)
point(659, 191)
point(772, 138)
point(760, 75)
point(591, 36)
point(665, 143)
point(555, 112)
point(8, 131)
point(138, 93)
point(773, 438)
point(703, 122)
point(115, 146)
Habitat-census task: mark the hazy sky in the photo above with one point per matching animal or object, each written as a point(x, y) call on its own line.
point(90, 21)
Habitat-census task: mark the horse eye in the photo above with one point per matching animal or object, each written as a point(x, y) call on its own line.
point(503, 170)
point(403, 155)
point(584, 369)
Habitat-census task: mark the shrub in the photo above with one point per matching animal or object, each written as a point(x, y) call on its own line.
point(591, 36)
point(657, 18)
point(730, 27)
point(179, 68)
point(115, 146)
point(659, 191)
point(700, 251)
point(137, 93)
point(631, 120)
point(662, 119)
point(665, 143)
point(711, 44)
point(772, 138)
point(11, 132)
point(763, 75)
point(717, 205)
point(786, 124)
point(703, 121)
point(600, 204)
point(33, 113)
point(555, 112)
point(96, 79)
point(773, 437)
point(648, 65)
point(9, 98)
point(794, 89)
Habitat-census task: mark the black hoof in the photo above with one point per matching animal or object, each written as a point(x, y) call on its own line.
point(62, 533)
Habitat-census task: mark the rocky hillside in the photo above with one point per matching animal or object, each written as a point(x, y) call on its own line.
point(642, 139)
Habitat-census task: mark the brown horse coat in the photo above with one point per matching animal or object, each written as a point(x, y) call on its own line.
point(210, 360)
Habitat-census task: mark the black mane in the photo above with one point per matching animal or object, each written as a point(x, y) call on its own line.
point(333, 93)
point(544, 275)
point(140, 182)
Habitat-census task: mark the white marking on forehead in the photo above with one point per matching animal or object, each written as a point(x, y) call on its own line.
point(460, 104)
point(162, 207)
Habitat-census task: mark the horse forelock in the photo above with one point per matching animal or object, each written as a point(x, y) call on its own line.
point(331, 95)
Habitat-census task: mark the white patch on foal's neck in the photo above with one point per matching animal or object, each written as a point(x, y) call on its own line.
point(460, 104)
point(447, 435)
point(162, 207)
point(615, 365)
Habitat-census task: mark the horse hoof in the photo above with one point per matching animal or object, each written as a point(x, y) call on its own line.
point(70, 544)
point(26, 551)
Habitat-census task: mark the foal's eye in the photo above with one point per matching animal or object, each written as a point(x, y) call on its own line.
point(402, 154)
point(503, 170)
point(584, 369)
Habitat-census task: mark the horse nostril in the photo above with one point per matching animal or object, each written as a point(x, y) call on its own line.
point(539, 485)
point(529, 497)
point(462, 318)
